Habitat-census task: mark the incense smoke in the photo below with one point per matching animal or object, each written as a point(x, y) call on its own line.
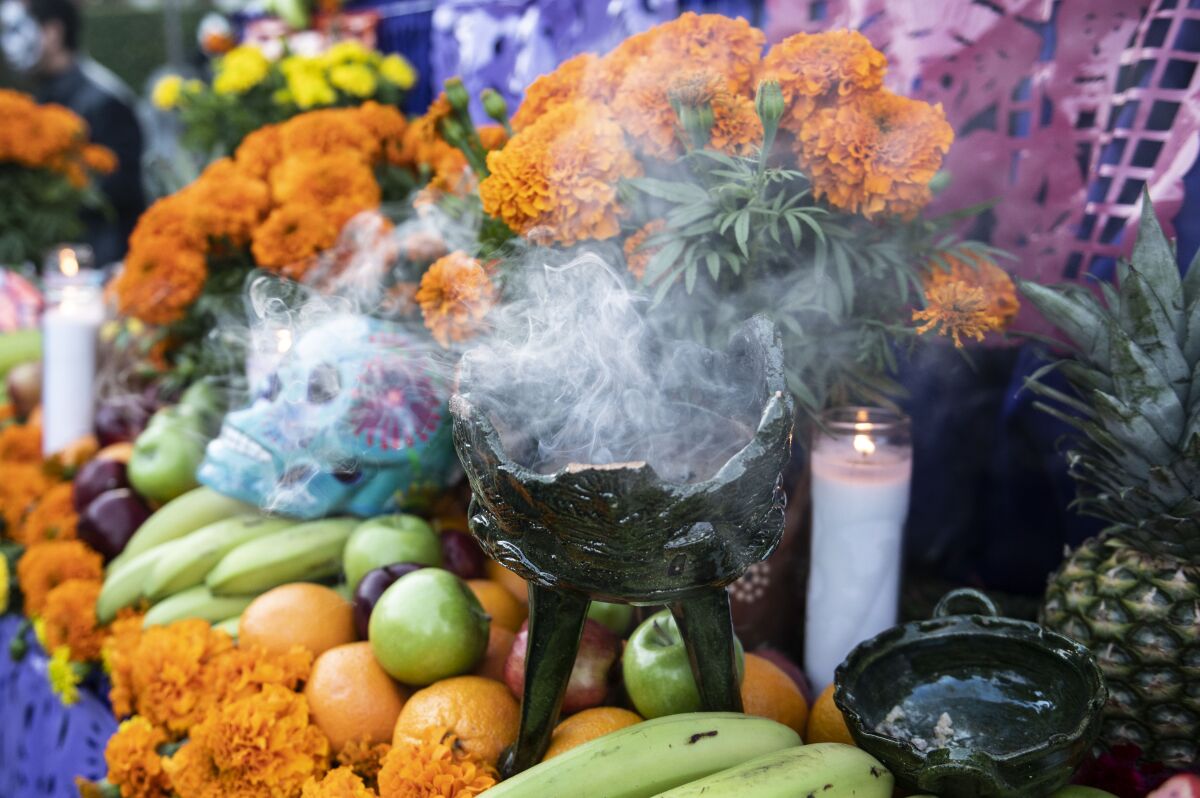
point(575, 373)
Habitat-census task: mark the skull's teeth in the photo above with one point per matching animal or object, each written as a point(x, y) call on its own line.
point(241, 443)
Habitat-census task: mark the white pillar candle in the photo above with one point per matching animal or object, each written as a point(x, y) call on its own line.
point(70, 330)
point(861, 472)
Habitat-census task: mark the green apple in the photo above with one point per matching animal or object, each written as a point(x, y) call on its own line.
point(207, 403)
point(658, 676)
point(386, 540)
point(616, 617)
point(166, 455)
point(427, 626)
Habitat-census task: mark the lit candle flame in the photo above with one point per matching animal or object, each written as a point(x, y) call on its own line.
point(864, 445)
point(68, 264)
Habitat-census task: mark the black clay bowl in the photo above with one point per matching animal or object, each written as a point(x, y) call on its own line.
point(621, 533)
point(1024, 703)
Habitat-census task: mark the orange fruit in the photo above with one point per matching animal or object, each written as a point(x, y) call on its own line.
point(313, 616)
point(498, 603)
point(350, 695)
point(825, 722)
point(500, 643)
point(481, 713)
point(512, 583)
point(586, 726)
point(768, 692)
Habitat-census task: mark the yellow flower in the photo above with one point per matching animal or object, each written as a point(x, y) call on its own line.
point(355, 79)
point(240, 70)
point(39, 630)
point(64, 676)
point(309, 89)
point(193, 86)
point(395, 69)
point(347, 51)
point(167, 92)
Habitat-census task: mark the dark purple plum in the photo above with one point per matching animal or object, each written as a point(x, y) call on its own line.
point(110, 520)
point(122, 418)
point(461, 555)
point(371, 587)
point(96, 477)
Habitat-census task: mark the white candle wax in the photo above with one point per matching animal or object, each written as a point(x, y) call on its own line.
point(70, 329)
point(860, 501)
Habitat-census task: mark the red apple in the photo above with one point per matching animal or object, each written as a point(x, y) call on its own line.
point(95, 477)
point(790, 668)
point(599, 650)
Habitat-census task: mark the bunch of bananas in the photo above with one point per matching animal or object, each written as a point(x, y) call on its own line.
point(204, 555)
point(709, 754)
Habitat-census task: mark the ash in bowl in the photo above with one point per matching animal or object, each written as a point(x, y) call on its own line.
point(573, 375)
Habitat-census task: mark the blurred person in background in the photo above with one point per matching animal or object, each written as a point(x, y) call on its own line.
point(40, 40)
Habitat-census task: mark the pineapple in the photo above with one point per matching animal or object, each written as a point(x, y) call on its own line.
point(1132, 595)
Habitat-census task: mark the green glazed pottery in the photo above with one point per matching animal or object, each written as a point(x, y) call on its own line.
point(973, 705)
point(620, 533)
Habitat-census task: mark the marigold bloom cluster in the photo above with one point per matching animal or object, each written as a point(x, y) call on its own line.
point(47, 565)
point(285, 195)
point(134, 764)
point(455, 294)
point(49, 137)
point(69, 618)
point(436, 767)
point(52, 518)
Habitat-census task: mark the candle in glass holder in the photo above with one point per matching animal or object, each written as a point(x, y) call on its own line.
point(861, 472)
point(70, 331)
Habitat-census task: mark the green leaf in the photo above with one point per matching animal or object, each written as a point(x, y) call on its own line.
point(1085, 325)
point(670, 190)
point(741, 232)
point(1142, 385)
point(845, 275)
point(713, 261)
point(1154, 258)
point(664, 259)
point(689, 278)
point(1191, 281)
point(1144, 320)
point(684, 215)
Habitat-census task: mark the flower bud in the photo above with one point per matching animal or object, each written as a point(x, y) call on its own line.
point(494, 105)
point(457, 94)
point(768, 102)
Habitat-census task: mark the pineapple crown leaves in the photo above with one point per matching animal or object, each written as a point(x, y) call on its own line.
point(1136, 377)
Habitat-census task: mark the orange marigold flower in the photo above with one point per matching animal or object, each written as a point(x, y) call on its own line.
point(434, 768)
point(364, 758)
point(455, 294)
point(47, 565)
point(134, 765)
point(337, 783)
point(329, 131)
point(117, 652)
point(263, 744)
point(737, 130)
point(387, 125)
point(976, 270)
point(288, 241)
point(423, 142)
point(492, 137)
point(227, 203)
point(260, 151)
point(21, 443)
point(243, 671)
point(160, 280)
point(69, 618)
point(637, 254)
point(566, 83)
point(99, 158)
point(167, 673)
point(956, 309)
point(815, 70)
point(52, 518)
point(556, 180)
point(875, 156)
point(23, 484)
point(336, 185)
point(171, 218)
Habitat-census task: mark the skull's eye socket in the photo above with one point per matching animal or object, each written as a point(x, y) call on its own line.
point(324, 383)
point(347, 473)
point(271, 390)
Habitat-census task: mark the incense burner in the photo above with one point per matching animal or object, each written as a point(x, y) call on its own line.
point(620, 533)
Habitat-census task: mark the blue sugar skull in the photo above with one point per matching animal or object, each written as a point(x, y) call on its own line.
point(354, 420)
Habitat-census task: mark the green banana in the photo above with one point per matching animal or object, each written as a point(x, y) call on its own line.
point(229, 626)
point(304, 552)
point(193, 510)
point(195, 602)
point(186, 565)
point(649, 757)
point(832, 770)
point(123, 585)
